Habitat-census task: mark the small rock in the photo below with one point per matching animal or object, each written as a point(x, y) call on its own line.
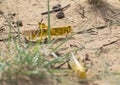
point(87, 57)
point(34, 4)
point(14, 14)
point(60, 15)
point(57, 8)
point(1, 12)
point(19, 23)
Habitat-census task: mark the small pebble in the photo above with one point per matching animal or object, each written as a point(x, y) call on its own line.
point(60, 15)
point(19, 23)
point(1, 12)
point(57, 8)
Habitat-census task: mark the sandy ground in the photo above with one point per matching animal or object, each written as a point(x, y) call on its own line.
point(101, 46)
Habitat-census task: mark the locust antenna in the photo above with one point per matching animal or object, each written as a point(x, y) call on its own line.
point(41, 20)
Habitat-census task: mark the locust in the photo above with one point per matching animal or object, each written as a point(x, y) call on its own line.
point(42, 31)
point(77, 67)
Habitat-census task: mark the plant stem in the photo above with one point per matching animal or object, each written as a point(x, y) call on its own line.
point(48, 21)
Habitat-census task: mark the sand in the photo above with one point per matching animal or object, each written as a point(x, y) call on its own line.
point(101, 45)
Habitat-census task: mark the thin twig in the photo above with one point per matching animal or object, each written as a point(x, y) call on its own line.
point(4, 39)
point(53, 10)
point(62, 64)
point(99, 27)
point(110, 43)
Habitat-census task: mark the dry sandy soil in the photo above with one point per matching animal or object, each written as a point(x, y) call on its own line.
point(101, 44)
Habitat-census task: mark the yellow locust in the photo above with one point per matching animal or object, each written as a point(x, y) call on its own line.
point(43, 31)
point(77, 67)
